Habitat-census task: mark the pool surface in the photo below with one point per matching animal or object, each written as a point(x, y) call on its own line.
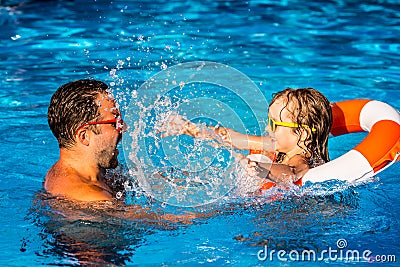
point(345, 49)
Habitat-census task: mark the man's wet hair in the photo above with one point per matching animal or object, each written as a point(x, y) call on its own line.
point(72, 105)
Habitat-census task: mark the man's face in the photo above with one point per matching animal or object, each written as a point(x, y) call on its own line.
point(106, 142)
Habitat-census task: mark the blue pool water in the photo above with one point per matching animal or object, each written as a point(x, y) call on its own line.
point(346, 49)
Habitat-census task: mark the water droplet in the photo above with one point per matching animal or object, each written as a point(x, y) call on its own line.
point(16, 37)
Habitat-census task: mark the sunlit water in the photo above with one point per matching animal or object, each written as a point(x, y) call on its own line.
point(346, 50)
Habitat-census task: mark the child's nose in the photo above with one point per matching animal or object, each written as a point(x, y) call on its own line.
point(268, 129)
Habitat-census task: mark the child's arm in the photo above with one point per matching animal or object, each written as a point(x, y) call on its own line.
point(281, 174)
point(245, 141)
point(178, 125)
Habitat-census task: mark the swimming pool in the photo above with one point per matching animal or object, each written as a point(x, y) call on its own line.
point(346, 49)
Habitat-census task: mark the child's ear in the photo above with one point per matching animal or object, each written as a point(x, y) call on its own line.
point(304, 134)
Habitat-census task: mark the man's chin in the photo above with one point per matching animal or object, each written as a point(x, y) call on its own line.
point(108, 160)
point(113, 164)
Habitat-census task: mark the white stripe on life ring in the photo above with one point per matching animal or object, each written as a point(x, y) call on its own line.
point(348, 167)
point(375, 111)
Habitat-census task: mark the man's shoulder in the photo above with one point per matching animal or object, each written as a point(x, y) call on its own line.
point(84, 192)
point(61, 181)
point(54, 176)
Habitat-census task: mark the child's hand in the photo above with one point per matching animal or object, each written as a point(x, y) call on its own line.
point(223, 133)
point(249, 166)
point(232, 138)
point(255, 168)
point(175, 124)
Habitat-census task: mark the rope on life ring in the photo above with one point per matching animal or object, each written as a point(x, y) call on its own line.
point(379, 150)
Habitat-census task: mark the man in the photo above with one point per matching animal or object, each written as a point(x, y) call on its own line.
point(85, 119)
point(87, 123)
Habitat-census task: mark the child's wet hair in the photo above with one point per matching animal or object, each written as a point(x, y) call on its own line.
point(308, 106)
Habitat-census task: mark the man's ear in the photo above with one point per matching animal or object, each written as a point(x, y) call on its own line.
point(83, 137)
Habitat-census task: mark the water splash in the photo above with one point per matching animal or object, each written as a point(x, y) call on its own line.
point(179, 170)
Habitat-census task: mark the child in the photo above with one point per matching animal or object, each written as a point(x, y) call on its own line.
point(299, 121)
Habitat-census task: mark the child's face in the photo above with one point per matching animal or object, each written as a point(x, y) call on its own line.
point(284, 137)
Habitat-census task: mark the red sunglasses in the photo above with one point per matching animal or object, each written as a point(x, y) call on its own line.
point(118, 124)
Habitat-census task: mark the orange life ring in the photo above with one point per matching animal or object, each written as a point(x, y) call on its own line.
point(379, 149)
